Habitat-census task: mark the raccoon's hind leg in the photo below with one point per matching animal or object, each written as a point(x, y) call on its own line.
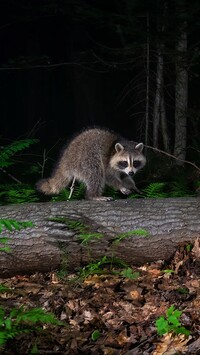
point(53, 185)
point(95, 184)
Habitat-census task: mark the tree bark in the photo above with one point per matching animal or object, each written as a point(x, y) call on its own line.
point(49, 245)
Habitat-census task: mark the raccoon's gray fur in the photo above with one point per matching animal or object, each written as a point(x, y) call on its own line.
point(96, 157)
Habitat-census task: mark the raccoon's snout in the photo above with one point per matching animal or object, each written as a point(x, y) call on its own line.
point(131, 173)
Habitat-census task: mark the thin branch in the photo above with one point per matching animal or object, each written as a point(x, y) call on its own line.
point(72, 188)
point(174, 157)
point(11, 176)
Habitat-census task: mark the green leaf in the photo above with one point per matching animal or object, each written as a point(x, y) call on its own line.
point(8, 324)
point(34, 350)
point(130, 274)
point(6, 249)
point(174, 320)
point(4, 240)
point(95, 335)
point(162, 325)
point(3, 289)
point(3, 337)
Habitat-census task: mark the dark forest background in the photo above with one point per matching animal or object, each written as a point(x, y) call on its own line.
point(130, 65)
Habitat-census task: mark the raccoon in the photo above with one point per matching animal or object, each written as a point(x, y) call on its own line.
point(96, 157)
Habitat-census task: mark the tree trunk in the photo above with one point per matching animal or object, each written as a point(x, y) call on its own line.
point(159, 112)
point(165, 134)
point(157, 101)
point(53, 244)
point(181, 88)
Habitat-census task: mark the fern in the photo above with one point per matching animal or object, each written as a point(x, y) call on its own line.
point(78, 193)
point(179, 188)
point(17, 193)
point(155, 190)
point(11, 224)
point(21, 321)
point(122, 236)
point(7, 152)
point(84, 231)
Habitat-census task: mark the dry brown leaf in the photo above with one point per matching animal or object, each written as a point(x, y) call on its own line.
point(122, 338)
point(155, 273)
point(170, 345)
point(196, 249)
point(88, 316)
point(54, 278)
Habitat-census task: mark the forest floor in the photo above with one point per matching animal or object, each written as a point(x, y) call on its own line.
point(108, 313)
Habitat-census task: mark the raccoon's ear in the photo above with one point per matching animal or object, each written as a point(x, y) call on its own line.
point(119, 147)
point(139, 147)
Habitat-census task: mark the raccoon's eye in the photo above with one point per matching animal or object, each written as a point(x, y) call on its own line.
point(122, 164)
point(136, 163)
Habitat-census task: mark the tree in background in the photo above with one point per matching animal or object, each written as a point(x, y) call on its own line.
point(181, 86)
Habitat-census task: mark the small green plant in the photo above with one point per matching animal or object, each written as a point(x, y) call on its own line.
point(62, 274)
point(129, 274)
point(17, 193)
point(11, 224)
point(95, 335)
point(168, 271)
point(155, 190)
point(124, 235)
point(93, 268)
point(101, 267)
point(34, 350)
point(183, 290)
point(171, 323)
point(20, 321)
point(84, 232)
point(8, 151)
point(77, 194)
point(179, 188)
point(4, 289)
point(189, 247)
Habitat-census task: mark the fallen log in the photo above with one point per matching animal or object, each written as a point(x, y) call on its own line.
point(59, 228)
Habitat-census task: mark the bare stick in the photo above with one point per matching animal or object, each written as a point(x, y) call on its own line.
point(72, 188)
point(11, 176)
point(172, 156)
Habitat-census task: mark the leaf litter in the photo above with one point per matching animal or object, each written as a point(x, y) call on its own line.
point(109, 314)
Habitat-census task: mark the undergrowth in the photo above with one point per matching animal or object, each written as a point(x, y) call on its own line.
point(20, 321)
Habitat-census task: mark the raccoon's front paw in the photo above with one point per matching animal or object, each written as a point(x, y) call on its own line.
point(101, 198)
point(125, 191)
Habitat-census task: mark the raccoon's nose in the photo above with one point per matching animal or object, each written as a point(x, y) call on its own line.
point(131, 173)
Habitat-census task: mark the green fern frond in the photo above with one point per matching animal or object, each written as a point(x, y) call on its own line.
point(11, 224)
point(179, 189)
point(11, 149)
point(155, 190)
point(21, 321)
point(17, 193)
point(78, 193)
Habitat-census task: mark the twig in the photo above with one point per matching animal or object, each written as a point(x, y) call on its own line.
point(72, 188)
point(173, 156)
point(11, 176)
point(43, 163)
